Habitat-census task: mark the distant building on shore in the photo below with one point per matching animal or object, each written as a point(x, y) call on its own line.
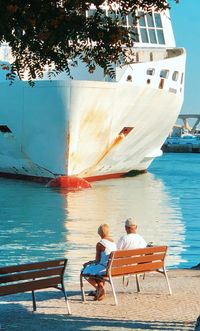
point(184, 138)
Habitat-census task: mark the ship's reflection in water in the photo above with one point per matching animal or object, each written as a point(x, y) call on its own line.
point(143, 197)
point(39, 223)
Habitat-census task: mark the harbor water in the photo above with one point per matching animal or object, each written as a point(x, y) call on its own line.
point(40, 223)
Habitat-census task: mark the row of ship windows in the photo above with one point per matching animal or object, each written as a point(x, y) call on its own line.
point(153, 36)
point(164, 73)
point(149, 28)
point(144, 19)
point(147, 35)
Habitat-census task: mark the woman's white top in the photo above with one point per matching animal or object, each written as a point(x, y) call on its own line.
point(100, 268)
point(110, 246)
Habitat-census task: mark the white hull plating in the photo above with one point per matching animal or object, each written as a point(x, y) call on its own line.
point(103, 112)
point(89, 128)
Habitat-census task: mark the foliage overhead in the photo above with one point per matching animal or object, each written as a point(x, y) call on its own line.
point(57, 32)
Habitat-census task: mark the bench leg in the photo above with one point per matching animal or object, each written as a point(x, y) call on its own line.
point(34, 301)
point(113, 290)
point(167, 279)
point(137, 283)
point(82, 288)
point(66, 299)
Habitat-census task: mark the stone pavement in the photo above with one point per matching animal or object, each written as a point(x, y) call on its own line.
point(151, 309)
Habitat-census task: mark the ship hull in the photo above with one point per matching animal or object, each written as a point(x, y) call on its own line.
point(101, 114)
point(91, 129)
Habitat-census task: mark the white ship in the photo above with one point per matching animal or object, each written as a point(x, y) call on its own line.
point(95, 127)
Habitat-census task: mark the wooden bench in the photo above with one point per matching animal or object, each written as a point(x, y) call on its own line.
point(33, 276)
point(132, 262)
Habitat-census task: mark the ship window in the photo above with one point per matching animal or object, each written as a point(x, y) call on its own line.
point(182, 76)
point(164, 73)
point(151, 30)
point(103, 12)
point(172, 90)
point(112, 15)
point(151, 71)
point(150, 21)
point(129, 78)
point(175, 76)
point(141, 19)
point(160, 36)
point(134, 34)
point(144, 35)
point(158, 20)
point(122, 19)
point(4, 128)
point(152, 36)
point(131, 19)
point(91, 12)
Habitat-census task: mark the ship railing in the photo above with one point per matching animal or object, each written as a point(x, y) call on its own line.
point(148, 54)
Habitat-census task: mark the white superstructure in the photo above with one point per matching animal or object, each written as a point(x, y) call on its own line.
point(94, 126)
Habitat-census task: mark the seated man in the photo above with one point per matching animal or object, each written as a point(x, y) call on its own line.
point(131, 240)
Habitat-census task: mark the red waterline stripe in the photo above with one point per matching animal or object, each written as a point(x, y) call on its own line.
point(116, 175)
point(102, 177)
point(45, 180)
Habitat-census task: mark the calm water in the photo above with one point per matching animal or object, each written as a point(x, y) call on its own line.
point(39, 223)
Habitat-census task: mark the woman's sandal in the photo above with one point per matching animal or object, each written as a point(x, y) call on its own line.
point(101, 293)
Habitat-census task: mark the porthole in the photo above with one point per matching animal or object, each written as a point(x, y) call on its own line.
point(172, 90)
point(182, 77)
point(150, 71)
point(129, 78)
point(164, 73)
point(175, 76)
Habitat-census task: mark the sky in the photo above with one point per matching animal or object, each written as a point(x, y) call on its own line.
point(186, 26)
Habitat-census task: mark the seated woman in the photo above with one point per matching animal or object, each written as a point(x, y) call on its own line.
point(98, 267)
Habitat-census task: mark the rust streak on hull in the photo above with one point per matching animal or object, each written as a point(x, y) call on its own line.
point(116, 141)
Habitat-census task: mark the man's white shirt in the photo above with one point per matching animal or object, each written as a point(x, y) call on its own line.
point(131, 241)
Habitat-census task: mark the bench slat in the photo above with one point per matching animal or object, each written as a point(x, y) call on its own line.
point(32, 266)
point(29, 286)
point(31, 274)
point(139, 251)
point(138, 259)
point(134, 269)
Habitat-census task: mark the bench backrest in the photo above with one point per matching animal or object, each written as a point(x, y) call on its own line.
point(31, 276)
point(136, 260)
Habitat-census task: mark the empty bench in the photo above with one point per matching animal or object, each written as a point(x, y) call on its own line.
point(32, 277)
point(132, 262)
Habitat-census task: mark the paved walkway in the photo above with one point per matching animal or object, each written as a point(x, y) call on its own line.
point(152, 309)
